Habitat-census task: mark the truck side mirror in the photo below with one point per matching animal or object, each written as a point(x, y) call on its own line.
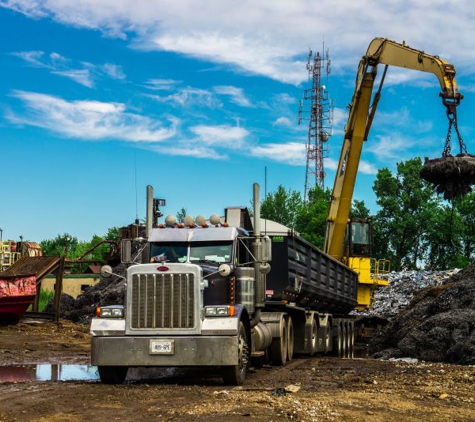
point(266, 243)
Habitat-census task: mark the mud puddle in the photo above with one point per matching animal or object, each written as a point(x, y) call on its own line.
point(48, 372)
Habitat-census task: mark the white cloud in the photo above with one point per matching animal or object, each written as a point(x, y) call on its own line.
point(113, 71)
point(236, 94)
point(89, 120)
point(270, 37)
point(82, 76)
point(195, 151)
point(190, 97)
point(292, 153)
point(232, 137)
point(161, 84)
point(61, 66)
point(282, 121)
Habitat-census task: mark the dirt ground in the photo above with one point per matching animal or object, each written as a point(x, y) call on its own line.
point(307, 389)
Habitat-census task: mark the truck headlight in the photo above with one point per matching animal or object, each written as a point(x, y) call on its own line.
point(219, 311)
point(110, 311)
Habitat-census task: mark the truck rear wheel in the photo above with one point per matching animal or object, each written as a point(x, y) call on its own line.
point(112, 374)
point(327, 338)
point(338, 341)
point(236, 374)
point(278, 348)
point(290, 338)
point(313, 346)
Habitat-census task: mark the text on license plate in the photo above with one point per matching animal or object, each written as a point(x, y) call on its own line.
point(162, 347)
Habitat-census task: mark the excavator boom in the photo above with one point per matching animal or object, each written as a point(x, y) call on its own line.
point(389, 53)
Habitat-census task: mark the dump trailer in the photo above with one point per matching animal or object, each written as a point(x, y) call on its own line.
point(223, 293)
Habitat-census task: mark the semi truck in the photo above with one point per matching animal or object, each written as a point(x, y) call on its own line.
point(223, 293)
point(233, 292)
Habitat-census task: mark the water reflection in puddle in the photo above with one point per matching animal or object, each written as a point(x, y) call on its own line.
point(48, 372)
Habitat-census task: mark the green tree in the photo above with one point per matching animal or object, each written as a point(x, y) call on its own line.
point(406, 205)
point(180, 215)
point(311, 220)
point(444, 239)
point(282, 206)
point(61, 245)
point(359, 210)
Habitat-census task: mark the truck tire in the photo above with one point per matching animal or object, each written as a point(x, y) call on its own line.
point(313, 341)
point(338, 341)
point(236, 374)
point(278, 348)
point(351, 340)
point(344, 341)
point(112, 374)
point(327, 338)
point(290, 338)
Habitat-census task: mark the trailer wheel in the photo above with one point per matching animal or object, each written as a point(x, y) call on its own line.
point(236, 374)
point(313, 338)
point(290, 338)
point(351, 340)
point(112, 374)
point(344, 352)
point(338, 341)
point(278, 348)
point(327, 338)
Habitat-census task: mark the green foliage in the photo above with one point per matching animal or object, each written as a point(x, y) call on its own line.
point(68, 246)
point(180, 215)
point(45, 297)
point(312, 217)
point(282, 206)
point(406, 205)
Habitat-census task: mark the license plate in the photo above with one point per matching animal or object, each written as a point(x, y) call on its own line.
point(162, 347)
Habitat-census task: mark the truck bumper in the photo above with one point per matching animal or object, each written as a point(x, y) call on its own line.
point(188, 351)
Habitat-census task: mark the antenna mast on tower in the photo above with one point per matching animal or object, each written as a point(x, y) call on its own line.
point(320, 120)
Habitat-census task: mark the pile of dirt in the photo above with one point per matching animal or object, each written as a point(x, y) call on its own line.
point(109, 291)
point(438, 325)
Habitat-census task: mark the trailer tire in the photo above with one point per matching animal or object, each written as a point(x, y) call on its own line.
point(351, 340)
point(290, 338)
point(344, 342)
point(327, 338)
point(338, 341)
point(236, 374)
point(278, 348)
point(112, 374)
point(313, 345)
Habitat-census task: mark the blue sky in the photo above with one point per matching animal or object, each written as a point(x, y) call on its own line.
point(99, 98)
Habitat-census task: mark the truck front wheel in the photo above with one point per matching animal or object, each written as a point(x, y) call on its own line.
point(236, 374)
point(113, 374)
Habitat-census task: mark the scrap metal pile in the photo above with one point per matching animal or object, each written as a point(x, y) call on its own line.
point(438, 324)
point(452, 176)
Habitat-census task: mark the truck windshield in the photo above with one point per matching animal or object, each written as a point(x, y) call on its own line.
point(195, 252)
point(211, 252)
point(168, 252)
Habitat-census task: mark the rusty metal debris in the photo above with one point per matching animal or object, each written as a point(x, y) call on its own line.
point(451, 176)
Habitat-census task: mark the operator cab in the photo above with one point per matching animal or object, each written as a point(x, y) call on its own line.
point(359, 236)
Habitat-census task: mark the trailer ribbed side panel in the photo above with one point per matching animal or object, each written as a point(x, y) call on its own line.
point(304, 275)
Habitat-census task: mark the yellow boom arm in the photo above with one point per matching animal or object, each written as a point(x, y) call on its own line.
point(380, 51)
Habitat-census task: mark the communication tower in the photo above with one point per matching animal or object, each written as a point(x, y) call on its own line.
point(319, 117)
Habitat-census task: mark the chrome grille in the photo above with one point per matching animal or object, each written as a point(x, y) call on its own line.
point(162, 301)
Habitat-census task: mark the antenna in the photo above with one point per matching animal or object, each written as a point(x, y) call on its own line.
point(320, 118)
point(136, 194)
